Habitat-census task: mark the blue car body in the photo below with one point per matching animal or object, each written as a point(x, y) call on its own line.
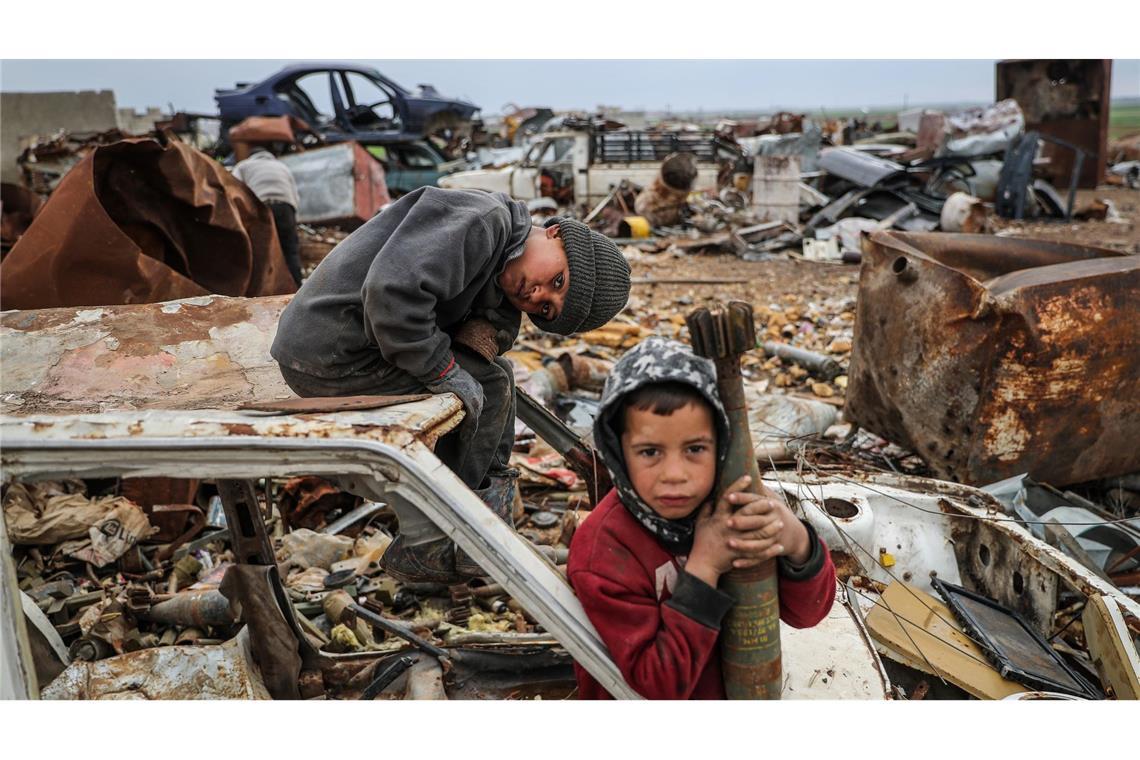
point(344, 102)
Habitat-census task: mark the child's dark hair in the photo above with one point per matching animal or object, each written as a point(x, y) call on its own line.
point(660, 398)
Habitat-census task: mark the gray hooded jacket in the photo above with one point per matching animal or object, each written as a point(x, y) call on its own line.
point(393, 289)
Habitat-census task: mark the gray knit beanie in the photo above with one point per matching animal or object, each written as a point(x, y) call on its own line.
point(599, 280)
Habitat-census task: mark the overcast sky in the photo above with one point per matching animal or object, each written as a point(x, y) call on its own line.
point(189, 85)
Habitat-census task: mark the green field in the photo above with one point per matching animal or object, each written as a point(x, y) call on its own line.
point(1123, 119)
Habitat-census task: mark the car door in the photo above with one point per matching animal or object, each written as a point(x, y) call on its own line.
point(309, 97)
point(371, 109)
point(555, 175)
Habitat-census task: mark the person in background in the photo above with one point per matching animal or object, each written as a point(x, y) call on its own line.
point(273, 183)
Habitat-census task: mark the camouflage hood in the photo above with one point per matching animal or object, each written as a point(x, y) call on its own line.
point(655, 360)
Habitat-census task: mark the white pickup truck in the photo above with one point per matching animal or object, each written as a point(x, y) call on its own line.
point(583, 166)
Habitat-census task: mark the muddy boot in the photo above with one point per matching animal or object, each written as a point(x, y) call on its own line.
point(500, 497)
point(428, 562)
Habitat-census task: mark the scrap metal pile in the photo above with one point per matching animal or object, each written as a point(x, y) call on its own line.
point(815, 193)
point(956, 418)
point(110, 575)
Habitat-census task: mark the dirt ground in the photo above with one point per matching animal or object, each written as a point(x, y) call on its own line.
point(805, 303)
point(771, 280)
point(1121, 235)
point(811, 304)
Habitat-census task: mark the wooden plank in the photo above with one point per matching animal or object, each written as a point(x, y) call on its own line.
point(1110, 647)
point(921, 632)
point(332, 404)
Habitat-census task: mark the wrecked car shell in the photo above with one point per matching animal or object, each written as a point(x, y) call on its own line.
point(213, 351)
point(404, 116)
point(991, 357)
point(378, 453)
point(954, 533)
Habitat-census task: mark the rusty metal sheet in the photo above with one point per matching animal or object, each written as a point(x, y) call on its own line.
point(140, 221)
point(225, 671)
point(151, 492)
point(261, 129)
point(334, 404)
point(1066, 99)
point(198, 353)
point(18, 207)
point(305, 502)
point(992, 357)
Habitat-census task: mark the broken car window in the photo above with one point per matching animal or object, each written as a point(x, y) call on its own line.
point(369, 105)
point(311, 95)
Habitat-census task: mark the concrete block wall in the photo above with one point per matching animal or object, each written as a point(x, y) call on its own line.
point(23, 114)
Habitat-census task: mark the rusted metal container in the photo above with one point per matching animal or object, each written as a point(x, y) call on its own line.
point(338, 184)
point(991, 356)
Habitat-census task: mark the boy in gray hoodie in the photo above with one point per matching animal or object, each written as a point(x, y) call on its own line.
point(381, 314)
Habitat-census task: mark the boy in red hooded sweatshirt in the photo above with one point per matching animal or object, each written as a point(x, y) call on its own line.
point(645, 565)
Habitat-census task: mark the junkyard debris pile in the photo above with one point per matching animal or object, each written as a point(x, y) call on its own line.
point(113, 577)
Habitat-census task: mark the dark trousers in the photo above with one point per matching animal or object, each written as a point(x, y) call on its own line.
point(285, 219)
point(490, 450)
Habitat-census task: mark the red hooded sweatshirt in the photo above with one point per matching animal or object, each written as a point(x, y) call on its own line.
point(660, 623)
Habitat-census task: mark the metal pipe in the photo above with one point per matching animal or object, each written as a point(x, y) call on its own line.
point(387, 625)
point(817, 364)
point(750, 642)
point(367, 509)
point(580, 456)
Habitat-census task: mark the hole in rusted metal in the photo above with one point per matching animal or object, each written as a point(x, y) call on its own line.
point(984, 554)
point(840, 508)
point(1018, 582)
point(903, 270)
